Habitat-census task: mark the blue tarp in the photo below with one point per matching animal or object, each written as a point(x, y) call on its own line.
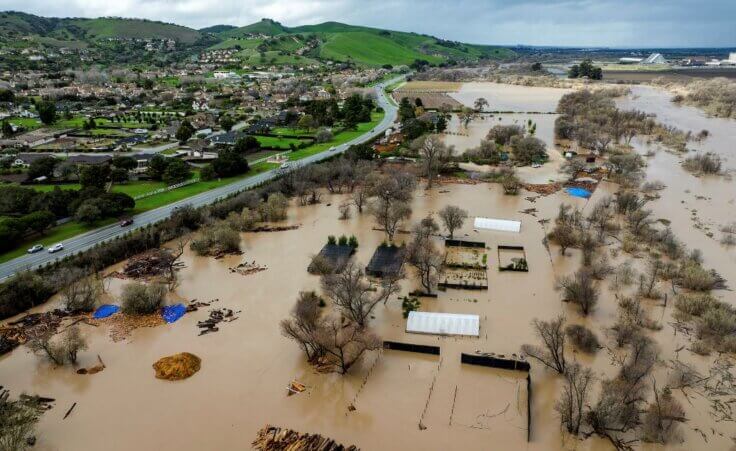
point(105, 310)
point(578, 192)
point(171, 313)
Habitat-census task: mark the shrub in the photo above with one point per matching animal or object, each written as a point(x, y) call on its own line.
point(409, 305)
point(61, 350)
point(331, 240)
point(17, 421)
point(140, 299)
point(216, 240)
point(582, 338)
point(353, 241)
point(694, 277)
point(707, 163)
point(23, 291)
point(717, 322)
point(694, 304)
point(343, 241)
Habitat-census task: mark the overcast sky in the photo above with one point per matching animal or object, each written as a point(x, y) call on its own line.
point(613, 23)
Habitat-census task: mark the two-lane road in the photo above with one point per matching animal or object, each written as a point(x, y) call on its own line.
point(85, 241)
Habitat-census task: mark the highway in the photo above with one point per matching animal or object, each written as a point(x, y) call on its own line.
point(87, 240)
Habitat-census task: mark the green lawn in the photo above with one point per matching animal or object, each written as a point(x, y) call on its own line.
point(291, 131)
point(338, 139)
point(278, 142)
point(27, 122)
point(47, 188)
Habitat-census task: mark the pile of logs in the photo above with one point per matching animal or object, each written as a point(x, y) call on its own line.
point(18, 332)
point(151, 263)
point(272, 438)
point(217, 316)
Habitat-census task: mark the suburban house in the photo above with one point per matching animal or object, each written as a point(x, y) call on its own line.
point(25, 159)
point(89, 160)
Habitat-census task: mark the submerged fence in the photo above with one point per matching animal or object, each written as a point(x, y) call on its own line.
point(507, 364)
point(422, 349)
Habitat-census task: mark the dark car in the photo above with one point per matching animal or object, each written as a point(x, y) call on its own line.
point(126, 222)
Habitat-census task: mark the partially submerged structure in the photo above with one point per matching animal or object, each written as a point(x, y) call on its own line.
point(499, 225)
point(512, 258)
point(386, 261)
point(334, 255)
point(443, 324)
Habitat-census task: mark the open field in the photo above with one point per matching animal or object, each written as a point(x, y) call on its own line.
point(432, 86)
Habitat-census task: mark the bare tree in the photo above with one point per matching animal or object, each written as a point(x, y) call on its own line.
point(344, 342)
point(480, 104)
point(424, 256)
point(59, 350)
point(574, 396)
point(390, 214)
point(303, 323)
point(579, 289)
point(18, 419)
point(552, 351)
point(351, 292)
point(360, 197)
point(79, 291)
point(433, 152)
point(662, 418)
point(453, 218)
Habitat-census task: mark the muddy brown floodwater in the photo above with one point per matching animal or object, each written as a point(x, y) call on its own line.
point(247, 365)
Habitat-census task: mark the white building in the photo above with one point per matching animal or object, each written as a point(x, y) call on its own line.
point(655, 58)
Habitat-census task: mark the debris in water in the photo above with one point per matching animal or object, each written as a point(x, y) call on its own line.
point(295, 387)
point(217, 316)
point(272, 438)
point(177, 367)
point(246, 268)
point(93, 369)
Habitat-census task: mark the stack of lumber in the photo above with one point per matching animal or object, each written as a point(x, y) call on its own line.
point(272, 438)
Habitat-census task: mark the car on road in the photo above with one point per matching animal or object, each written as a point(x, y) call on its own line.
point(126, 222)
point(56, 248)
point(286, 166)
point(36, 248)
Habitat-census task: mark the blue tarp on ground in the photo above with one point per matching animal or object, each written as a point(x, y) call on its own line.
point(105, 310)
point(578, 192)
point(171, 313)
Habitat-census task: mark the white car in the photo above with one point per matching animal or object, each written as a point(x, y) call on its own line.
point(56, 248)
point(285, 166)
point(36, 248)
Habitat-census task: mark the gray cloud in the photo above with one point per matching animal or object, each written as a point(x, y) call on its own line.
point(685, 23)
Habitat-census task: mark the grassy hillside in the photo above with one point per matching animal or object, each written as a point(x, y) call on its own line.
point(266, 27)
point(260, 43)
point(14, 24)
point(361, 45)
point(370, 49)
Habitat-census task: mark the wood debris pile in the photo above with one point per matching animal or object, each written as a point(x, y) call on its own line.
point(195, 305)
point(18, 332)
point(272, 438)
point(544, 189)
point(268, 228)
point(150, 263)
point(246, 268)
point(121, 326)
point(93, 369)
point(217, 316)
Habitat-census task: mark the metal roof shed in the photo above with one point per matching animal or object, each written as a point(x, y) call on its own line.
point(443, 324)
point(502, 225)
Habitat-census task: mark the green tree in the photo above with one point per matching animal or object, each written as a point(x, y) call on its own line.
point(157, 166)
point(94, 175)
point(247, 144)
point(42, 167)
point(306, 122)
point(7, 129)
point(185, 131)
point(230, 163)
point(88, 213)
point(46, 111)
point(176, 171)
point(227, 122)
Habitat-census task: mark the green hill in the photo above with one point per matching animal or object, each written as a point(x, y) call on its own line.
point(361, 45)
point(260, 43)
point(266, 27)
point(217, 29)
point(15, 25)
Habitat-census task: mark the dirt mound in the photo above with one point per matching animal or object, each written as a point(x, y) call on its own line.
point(272, 438)
point(177, 367)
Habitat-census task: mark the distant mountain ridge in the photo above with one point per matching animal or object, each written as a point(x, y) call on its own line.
point(264, 42)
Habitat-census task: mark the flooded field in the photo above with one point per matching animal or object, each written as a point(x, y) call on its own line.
point(505, 98)
point(401, 400)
